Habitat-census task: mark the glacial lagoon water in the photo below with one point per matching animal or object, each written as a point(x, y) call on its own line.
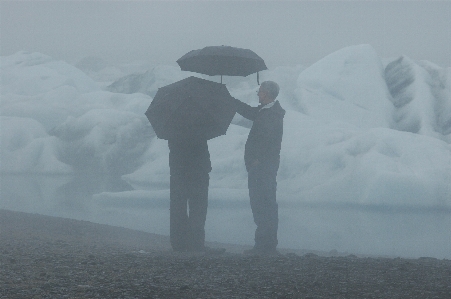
point(405, 231)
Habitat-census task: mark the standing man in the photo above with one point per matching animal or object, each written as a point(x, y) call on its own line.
point(189, 163)
point(190, 167)
point(262, 159)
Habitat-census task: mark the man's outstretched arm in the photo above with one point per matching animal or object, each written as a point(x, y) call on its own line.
point(245, 110)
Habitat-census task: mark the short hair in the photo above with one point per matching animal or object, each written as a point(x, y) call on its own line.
point(271, 88)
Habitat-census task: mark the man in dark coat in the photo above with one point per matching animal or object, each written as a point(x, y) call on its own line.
point(190, 167)
point(189, 162)
point(262, 158)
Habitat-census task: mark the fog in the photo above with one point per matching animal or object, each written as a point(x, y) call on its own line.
point(366, 155)
point(283, 32)
point(365, 162)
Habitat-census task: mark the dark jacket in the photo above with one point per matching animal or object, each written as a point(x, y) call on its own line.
point(189, 156)
point(265, 137)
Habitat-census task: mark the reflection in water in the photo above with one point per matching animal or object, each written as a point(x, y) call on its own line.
point(359, 229)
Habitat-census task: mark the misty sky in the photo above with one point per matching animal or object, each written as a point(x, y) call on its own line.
point(282, 33)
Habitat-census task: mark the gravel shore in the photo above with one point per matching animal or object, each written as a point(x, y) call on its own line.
point(49, 257)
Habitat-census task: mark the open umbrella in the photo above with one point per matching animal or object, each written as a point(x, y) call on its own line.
point(191, 107)
point(222, 60)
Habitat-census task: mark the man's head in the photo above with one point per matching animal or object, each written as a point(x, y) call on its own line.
point(268, 92)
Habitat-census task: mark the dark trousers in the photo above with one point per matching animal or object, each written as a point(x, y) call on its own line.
point(188, 210)
point(262, 193)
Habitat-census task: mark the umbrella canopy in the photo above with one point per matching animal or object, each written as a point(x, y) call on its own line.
point(222, 60)
point(191, 108)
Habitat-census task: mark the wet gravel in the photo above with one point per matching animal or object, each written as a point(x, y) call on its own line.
point(46, 257)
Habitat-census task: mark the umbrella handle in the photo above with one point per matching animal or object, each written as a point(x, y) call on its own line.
point(258, 79)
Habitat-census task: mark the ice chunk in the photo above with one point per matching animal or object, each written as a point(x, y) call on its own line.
point(104, 141)
point(26, 148)
point(421, 98)
point(346, 86)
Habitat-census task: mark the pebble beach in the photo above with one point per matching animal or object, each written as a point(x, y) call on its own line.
point(50, 257)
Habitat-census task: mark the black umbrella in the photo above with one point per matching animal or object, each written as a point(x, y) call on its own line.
point(222, 60)
point(191, 107)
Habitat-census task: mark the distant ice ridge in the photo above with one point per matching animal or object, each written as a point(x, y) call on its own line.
point(148, 82)
point(355, 131)
point(31, 74)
